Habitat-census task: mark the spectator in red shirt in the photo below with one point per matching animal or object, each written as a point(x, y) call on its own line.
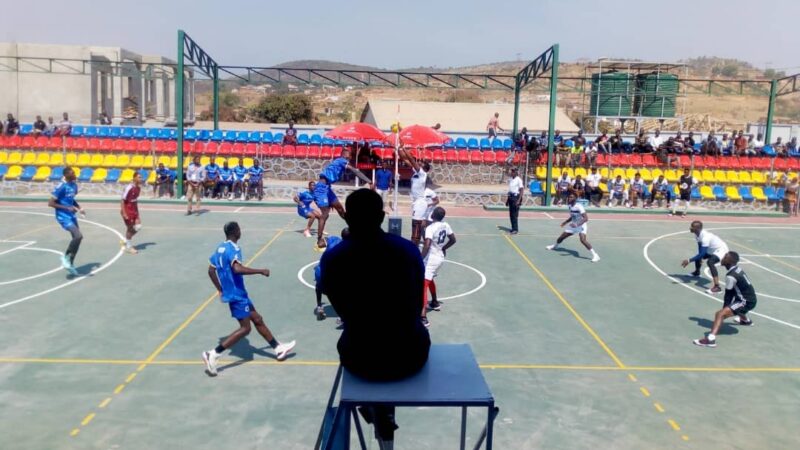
point(290, 138)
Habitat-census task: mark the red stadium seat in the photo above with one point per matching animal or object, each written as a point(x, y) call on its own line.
point(41, 142)
point(313, 152)
point(488, 157)
point(55, 143)
point(226, 149)
point(288, 151)
point(237, 149)
point(636, 160)
point(746, 162)
point(685, 160)
point(427, 155)
point(761, 163)
point(438, 156)
point(781, 164)
point(3, 141)
point(463, 156)
point(326, 152)
point(602, 159)
point(144, 146)
point(251, 149)
point(794, 164)
point(519, 157)
point(172, 146)
point(451, 156)
point(648, 161)
point(14, 141)
point(160, 147)
point(301, 151)
point(118, 145)
point(130, 146)
point(106, 145)
point(500, 156)
point(93, 144)
point(211, 147)
point(274, 151)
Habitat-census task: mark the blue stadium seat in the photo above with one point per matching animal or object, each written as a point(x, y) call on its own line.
point(536, 188)
point(485, 144)
point(103, 132)
point(25, 129)
point(57, 174)
point(472, 143)
point(497, 144)
point(203, 135)
point(230, 136)
point(781, 192)
point(328, 141)
point(507, 144)
point(27, 173)
point(89, 131)
point(113, 175)
point(266, 137)
point(768, 150)
point(449, 145)
point(144, 173)
point(77, 131)
point(86, 174)
point(316, 139)
point(696, 193)
point(254, 137)
point(794, 153)
point(152, 133)
point(771, 194)
point(277, 138)
point(167, 133)
point(140, 133)
point(719, 192)
point(461, 143)
point(114, 132)
point(3, 170)
point(216, 136)
point(191, 134)
point(746, 192)
point(242, 136)
point(126, 133)
point(302, 139)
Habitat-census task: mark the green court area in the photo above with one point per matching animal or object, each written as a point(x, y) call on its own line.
point(578, 355)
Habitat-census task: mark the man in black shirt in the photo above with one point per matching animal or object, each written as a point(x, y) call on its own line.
point(685, 185)
point(740, 298)
point(12, 126)
point(39, 126)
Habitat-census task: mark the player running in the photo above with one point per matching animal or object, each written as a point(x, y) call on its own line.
point(578, 223)
point(324, 196)
point(304, 199)
point(740, 298)
point(685, 187)
point(710, 247)
point(438, 238)
point(63, 201)
point(226, 272)
point(129, 209)
point(331, 242)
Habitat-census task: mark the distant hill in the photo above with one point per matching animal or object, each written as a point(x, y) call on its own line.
point(320, 64)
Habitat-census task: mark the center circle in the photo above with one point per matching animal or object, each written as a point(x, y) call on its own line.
point(463, 294)
point(31, 277)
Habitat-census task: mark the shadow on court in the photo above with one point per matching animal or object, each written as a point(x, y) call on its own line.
point(83, 270)
point(700, 282)
point(726, 328)
point(144, 245)
point(246, 352)
point(567, 251)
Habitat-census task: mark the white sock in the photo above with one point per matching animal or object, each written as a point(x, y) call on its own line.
point(594, 253)
point(711, 337)
point(127, 243)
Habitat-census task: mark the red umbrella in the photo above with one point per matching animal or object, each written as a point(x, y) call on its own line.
point(356, 131)
point(419, 136)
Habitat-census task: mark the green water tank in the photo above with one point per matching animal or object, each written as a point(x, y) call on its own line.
point(656, 94)
point(611, 94)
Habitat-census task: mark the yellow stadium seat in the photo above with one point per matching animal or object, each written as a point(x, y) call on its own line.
point(84, 160)
point(137, 162)
point(656, 173)
point(757, 177)
point(109, 161)
point(671, 175)
point(147, 163)
point(3, 156)
point(186, 162)
point(99, 175)
point(646, 175)
point(219, 160)
point(14, 158)
point(554, 174)
point(166, 160)
point(541, 172)
point(173, 163)
point(123, 161)
point(733, 193)
point(758, 193)
point(248, 162)
point(151, 178)
point(126, 176)
point(604, 187)
point(552, 189)
point(719, 176)
point(629, 173)
point(205, 160)
point(42, 159)
point(13, 173)
point(708, 176)
point(42, 173)
point(744, 177)
point(617, 172)
point(698, 176)
point(28, 158)
point(56, 159)
point(733, 176)
point(707, 193)
point(96, 160)
point(581, 171)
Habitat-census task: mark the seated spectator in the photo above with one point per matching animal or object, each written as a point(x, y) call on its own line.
point(710, 146)
point(255, 180)
point(212, 179)
point(740, 144)
point(758, 143)
point(791, 146)
point(579, 140)
point(290, 137)
point(751, 146)
point(164, 182)
point(575, 155)
point(522, 139)
point(655, 141)
point(65, 127)
point(602, 144)
point(642, 144)
point(779, 147)
point(225, 184)
point(726, 145)
point(688, 143)
point(12, 125)
point(39, 126)
point(563, 186)
point(660, 189)
point(563, 151)
point(239, 175)
point(618, 144)
point(678, 143)
point(578, 187)
point(50, 129)
point(104, 119)
point(557, 137)
point(593, 192)
point(665, 150)
point(590, 154)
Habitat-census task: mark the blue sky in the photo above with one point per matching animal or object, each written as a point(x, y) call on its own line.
point(411, 33)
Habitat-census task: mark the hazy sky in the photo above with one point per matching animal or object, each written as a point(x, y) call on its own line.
point(414, 33)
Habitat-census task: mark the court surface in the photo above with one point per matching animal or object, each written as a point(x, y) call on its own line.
point(578, 355)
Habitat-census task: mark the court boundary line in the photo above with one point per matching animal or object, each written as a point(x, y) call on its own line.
point(160, 348)
point(792, 266)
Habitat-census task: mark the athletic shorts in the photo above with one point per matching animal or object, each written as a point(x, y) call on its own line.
point(131, 220)
point(67, 222)
point(241, 309)
point(432, 264)
point(304, 211)
point(686, 196)
point(741, 306)
point(419, 209)
point(323, 195)
point(575, 230)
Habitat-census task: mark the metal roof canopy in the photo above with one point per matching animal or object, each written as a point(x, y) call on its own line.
point(633, 65)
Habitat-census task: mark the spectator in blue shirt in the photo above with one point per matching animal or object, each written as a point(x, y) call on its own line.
point(212, 178)
point(304, 199)
point(164, 182)
point(239, 174)
point(255, 181)
point(384, 181)
point(225, 181)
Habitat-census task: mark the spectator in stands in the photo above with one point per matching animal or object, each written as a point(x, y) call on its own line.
point(791, 146)
point(641, 145)
point(38, 126)
point(522, 139)
point(211, 179)
point(1, 127)
point(660, 189)
point(194, 185)
point(225, 184)
point(740, 144)
point(590, 154)
point(557, 137)
point(255, 180)
point(655, 141)
point(710, 146)
point(688, 143)
point(562, 188)
point(575, 154)
point(578, 187)
point(758, 143)
point(665, 151)
point(593, 192)
point(726, 144)
point(618, 144)
point(494, 126)
point(50, 129)
point(563, 151)
point(579, 140)
point(384, 181)
point(751, 146)
point(12, 125)
point(163, 183)
point(779, 147)
point(792, 196)
point(290, 138)
point(65, 127)
point(602, 144)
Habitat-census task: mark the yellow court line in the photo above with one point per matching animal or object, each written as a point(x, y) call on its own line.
point(658, 407)
point(777, 260)
point(25, 233)
point(674, 425)
point(564, 301)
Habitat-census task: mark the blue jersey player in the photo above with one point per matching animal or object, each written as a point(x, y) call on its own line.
point(227, 274)
point(304, 199)
point(63, 201)
point(239, 174)
point(225, 181)
point(255, 181)
point(331, 242)
point(323, 190)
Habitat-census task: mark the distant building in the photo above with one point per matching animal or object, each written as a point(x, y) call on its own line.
point(461, 117)
point(47, 80)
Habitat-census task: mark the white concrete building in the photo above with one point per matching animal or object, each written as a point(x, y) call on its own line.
point(47, 80)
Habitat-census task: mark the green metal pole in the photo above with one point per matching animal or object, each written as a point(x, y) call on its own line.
point(551, 125)
point(179, 110)
point(773, 89)
point(216, 98)
point(516, 107)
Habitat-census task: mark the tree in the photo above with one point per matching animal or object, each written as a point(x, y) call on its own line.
point(281, 108)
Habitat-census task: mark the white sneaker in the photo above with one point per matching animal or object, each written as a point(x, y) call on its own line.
point(596, 258)
point(65, 262)
point(282, 350)
point(307, 233)
point(210, 358)
point(131, 250)
point(242, 197)
point(551, 247)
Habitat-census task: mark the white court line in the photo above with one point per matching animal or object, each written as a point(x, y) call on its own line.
point(32, 277)
point(770, 256)
point(707, 271)
point(692, 288)
point(239, 209)
point(23, 245)
point(785, 277)
point(74, 280)
point(548, 216)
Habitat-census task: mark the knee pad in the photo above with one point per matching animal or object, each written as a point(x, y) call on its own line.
point(137, 227)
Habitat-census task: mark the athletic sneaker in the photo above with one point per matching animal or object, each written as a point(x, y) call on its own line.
point(596, 258)
point(705, 342)
point(307, 233)
point(72, 270)
point(425, 322)
point(282, 350)
point(210, 358)
point(514, 232)
point(435, 305)
point(320, 311)
point(65, 262)
point(551, 247)
point(696, 273)
point(743, 321)
point(131, 250)
point(714, 290)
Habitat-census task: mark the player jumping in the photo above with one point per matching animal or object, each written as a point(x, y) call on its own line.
point(438, 238)
point(578, 223)
point(710, 247)
point(63, 201)
point(419, 184)
point(226, 272)
point(740, 298)
point(129, 209)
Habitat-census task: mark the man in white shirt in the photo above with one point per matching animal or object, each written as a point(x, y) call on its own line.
point(438, 238)
point(656, 140)
point(636, 191)
point(593, 192)
point(563, 185)
point(616, 191)
point(709, 247)
point(419, 181)
point(514, 200)
point(421, 210)
point(194, 185)
point(578, 223)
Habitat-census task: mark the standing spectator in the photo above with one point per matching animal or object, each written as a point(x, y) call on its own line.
point(593, 192)
point(791, 196)
point(163, 182)
point(494, 126)
point(104, 119)
point(779, 147)
point(50, 129)
point(39, 126)
point(758, 143)
point(602, 144)
point(522, 139)
point(514, 200)
point(290, 138)
point(65, 127)
point(384, 181)
point(740, 144)
point(194, 185)
point(12, 126)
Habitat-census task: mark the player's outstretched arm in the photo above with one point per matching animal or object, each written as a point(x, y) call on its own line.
point(359, 174)
point(244, 270)
point(407, 158)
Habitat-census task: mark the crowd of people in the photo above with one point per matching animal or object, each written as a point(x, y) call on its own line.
point(11, 126)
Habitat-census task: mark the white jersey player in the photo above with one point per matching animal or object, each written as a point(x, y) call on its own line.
point(419, 183)
point(616, 191)
point(576, 223)
point(709, 247)
point(636, 190)
point(438, 238)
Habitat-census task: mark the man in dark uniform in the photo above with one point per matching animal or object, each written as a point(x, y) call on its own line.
point(740, 298)
point(685, 185)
